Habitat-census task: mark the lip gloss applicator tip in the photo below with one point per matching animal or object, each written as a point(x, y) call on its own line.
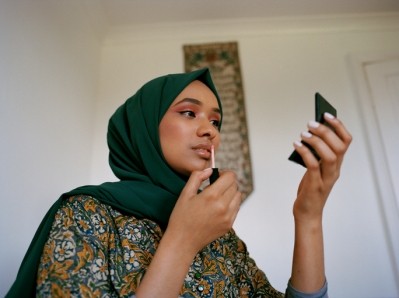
point(215, 171)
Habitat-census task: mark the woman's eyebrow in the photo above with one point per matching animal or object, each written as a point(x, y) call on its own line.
point(196, 102)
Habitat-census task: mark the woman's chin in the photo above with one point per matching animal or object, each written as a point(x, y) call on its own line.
point(189, 171)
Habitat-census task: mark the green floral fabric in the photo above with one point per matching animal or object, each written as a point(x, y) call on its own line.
point(94, 250)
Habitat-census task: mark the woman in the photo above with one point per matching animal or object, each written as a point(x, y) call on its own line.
point(153, 233)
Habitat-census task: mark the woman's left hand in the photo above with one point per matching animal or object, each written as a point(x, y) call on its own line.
point(320, 176)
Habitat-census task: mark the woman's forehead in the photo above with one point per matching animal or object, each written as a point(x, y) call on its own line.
point(199, 91)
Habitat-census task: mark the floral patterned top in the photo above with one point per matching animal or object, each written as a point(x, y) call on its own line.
point(94, 250)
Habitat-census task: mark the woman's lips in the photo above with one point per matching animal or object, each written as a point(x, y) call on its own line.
point(203, 150)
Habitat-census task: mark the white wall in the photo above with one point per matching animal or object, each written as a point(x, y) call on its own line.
point(48, 79)
point(284, 62)
point(49, 65)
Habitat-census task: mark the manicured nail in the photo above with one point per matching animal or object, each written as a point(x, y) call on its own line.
point(313, 124)
point(306, 134)
point(298, 144)
point(329, 116)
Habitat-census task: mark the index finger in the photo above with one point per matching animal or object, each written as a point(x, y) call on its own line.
point(227, 182)
point(339, 128)
point(195, 181)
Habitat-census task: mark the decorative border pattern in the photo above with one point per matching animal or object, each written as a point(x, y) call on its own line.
point(223, 62)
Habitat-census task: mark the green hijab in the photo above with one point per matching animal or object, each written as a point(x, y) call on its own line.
point(148, 186)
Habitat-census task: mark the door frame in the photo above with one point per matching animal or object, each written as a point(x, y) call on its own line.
point(376, 154)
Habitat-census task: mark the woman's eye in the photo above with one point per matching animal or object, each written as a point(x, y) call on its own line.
point(215, 123)
point(189, 114)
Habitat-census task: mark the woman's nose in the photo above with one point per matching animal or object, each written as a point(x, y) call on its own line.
point(206, 129)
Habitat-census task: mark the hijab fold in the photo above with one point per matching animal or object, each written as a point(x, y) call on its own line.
point(148, 187)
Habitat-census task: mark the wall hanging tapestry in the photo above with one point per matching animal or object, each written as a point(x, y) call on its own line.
point(223, 62)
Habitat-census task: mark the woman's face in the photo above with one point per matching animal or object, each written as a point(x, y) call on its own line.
point(189, 128)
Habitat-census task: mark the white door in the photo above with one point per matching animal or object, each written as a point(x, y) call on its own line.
point(383, 79)
point(377, 78)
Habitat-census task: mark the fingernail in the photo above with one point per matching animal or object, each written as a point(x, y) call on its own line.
point(207, 170)
point(298, 144)
point(329, 116)
point(306, 134)
point(313, 124)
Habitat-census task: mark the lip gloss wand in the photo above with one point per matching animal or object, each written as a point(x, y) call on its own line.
point(215, 171)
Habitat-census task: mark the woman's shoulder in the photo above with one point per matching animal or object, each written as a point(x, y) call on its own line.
point(84, 200)
point(85, 205)
point(93, 208)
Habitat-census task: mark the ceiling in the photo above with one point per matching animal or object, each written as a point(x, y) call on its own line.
point(139, 12)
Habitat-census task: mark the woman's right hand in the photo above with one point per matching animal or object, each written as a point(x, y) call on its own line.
point(199, 218)
point(196, 220)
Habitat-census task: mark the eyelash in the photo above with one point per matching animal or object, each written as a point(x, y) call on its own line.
point(191, 114)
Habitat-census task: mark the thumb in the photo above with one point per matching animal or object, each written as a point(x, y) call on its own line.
point(195, 181)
